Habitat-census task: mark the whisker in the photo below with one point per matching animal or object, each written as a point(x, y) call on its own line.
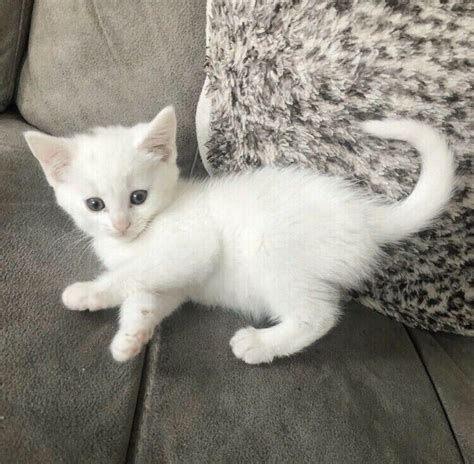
point(85, 252)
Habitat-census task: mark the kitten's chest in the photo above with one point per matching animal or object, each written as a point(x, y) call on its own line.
point(112, 254)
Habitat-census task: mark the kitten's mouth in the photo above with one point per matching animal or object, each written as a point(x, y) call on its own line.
point(125, 236)
point(131, 234)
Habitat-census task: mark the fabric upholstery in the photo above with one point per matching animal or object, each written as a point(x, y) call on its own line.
point(63, 397)
point(449, 360)
point(360, 394)
point(89, 65)
point(14, 26)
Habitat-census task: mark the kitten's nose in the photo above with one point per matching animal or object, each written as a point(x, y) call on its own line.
point(121, 223)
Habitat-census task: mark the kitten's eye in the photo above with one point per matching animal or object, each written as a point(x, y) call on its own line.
point(138, 197)
point(95, 204)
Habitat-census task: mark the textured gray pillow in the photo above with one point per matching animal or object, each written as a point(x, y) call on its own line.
point(287, 83)
point(95, 63)
point(14, 25)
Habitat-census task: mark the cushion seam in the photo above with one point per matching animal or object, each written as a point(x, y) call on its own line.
point(134, 436)
point(433, 385)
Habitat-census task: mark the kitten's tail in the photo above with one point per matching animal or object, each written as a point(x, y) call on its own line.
point(434, 187)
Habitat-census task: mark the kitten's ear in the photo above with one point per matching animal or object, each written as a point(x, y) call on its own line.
point(53, 153)
point(160, 140)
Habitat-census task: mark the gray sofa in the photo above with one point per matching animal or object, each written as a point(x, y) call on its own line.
point(371, 391)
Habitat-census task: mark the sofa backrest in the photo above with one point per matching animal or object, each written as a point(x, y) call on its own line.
point(95, 63)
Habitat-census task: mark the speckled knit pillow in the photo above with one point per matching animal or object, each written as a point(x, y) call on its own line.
point(287, 82)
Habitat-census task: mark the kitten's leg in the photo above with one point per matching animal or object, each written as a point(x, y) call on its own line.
point(166, 272)
point(296, 330)
point(93, 295)
point(139, 315)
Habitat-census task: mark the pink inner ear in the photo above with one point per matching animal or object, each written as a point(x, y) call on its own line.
point(161, 137)
point(154, 144)
point(57, 162)
point(53, 153)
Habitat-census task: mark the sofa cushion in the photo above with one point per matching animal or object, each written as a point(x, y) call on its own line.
point(360, 394)
point(99, 63)
point(64, 399)
point(14, 24)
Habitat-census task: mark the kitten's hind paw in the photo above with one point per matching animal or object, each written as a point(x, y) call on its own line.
point(85, 295)
point(126, 346)
point(248, 345)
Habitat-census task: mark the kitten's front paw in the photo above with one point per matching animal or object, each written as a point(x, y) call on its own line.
point(84, 295)
point(248, 346)
point(126, 345)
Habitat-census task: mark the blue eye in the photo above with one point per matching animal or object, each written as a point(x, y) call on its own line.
point(95, 204)
point(138, 197)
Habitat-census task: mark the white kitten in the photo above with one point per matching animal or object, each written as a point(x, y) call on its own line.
point(276, 242)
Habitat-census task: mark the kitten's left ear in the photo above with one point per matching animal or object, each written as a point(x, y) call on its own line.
point(53, 153)
point(160, 140)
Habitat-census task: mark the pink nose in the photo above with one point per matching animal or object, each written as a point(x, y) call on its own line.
point(121, 224)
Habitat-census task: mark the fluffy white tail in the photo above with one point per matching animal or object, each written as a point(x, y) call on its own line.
point(435, 185)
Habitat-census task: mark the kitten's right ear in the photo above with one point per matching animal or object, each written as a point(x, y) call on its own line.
point(53, 153)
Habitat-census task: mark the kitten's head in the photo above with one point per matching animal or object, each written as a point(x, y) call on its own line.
point(114, 180)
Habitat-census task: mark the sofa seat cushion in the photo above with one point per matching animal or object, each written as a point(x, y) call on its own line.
point(360, 394)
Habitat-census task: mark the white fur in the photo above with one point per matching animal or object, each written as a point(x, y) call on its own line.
point(279, 243)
